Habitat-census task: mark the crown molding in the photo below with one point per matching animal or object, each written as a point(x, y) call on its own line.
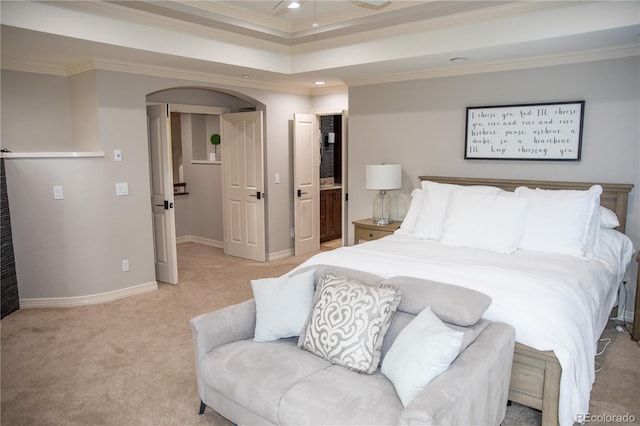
point(497, 66)
point(34, 67)
point(448, 71)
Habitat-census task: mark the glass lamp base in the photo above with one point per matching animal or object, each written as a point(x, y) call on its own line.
point(382, 209)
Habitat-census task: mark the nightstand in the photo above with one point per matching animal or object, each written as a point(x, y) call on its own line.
point(636, 312)
point(366, 230)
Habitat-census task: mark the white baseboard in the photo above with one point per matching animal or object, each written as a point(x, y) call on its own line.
point(199, 240)
point(280, 254)
point(92, 299)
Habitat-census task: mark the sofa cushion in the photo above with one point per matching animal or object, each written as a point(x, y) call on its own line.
point(354, 274)
point(338, 396)
point(401, 319)
point(256, 375)
point(453, 304)
point(348, 322)
point(282, 305)
point(423, 350)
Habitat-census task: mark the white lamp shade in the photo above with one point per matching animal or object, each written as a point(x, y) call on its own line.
point(384, 176)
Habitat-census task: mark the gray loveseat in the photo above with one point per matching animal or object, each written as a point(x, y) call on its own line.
point(277, 382)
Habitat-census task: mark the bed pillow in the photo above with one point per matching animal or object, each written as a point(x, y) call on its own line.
point(423, 350)
point(616, 250)
point(282, 305)
point(608, 219)
point(409, 222)
point(484, 221)
point(348, 322)
point(434, 207)
point(561, 221)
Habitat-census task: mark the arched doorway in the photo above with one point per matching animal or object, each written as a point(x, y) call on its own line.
point(193, 202)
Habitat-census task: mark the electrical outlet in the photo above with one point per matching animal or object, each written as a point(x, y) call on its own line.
point(125, 265)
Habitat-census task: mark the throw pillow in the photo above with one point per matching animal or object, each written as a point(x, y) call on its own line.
point(282, 305)
point(423, 350)
point(349, 321)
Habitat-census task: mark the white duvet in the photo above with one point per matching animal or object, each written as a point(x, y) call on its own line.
point(555, 302)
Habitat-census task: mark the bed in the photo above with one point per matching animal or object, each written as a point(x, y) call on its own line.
point(553, 368)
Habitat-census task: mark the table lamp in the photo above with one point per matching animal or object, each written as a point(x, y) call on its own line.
point(383, 177)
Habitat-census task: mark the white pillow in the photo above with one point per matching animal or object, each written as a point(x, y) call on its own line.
point(282, 305)
point(434, 207)
point(561, 221)
point(409, 222)
point(423, 350)
point(483, 221)
point(616, 250)
point(608, 219)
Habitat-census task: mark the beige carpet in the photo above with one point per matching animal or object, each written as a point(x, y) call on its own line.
point(130, 362)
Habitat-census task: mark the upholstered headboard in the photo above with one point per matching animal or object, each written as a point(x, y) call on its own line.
point(614, 195)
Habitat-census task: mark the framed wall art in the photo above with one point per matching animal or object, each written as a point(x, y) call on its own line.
point(546, 131)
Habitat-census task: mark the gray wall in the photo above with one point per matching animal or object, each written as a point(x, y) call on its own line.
point(74, 247)
point(421, 125)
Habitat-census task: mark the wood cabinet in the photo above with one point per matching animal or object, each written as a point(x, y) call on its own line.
point(330, 214)
point(366, 230)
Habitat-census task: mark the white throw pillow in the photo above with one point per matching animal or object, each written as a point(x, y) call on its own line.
point(484, 221)
point(423, 350)
point(561, 221)
point(282, 305)
point(434, 207)
point(409, 222)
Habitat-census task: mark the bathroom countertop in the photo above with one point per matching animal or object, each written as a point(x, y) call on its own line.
point(327, 187)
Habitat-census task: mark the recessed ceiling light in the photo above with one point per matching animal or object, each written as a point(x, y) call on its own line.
point(459, 59)
point(319, 83)
point(245, 75)
point(293, 5)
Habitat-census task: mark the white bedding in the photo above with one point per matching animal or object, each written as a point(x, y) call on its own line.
point(555, 302)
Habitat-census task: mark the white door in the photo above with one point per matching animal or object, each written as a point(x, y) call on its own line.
point(164, 225)
point(306, 181)
point(243, 200)
point(345, 179)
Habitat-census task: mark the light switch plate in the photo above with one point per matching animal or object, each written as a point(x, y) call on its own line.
point(117, 155)
point(122, 188)
point(57, 193)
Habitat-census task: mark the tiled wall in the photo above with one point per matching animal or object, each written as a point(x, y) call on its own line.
point(326, 165)
point(8, 278)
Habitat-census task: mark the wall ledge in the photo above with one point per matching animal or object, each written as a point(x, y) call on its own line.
point(75, 154)
point(92, 299)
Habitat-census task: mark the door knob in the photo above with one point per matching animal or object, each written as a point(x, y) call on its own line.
point(300, 192)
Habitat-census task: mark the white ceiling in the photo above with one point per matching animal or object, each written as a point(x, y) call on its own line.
point(265, 44)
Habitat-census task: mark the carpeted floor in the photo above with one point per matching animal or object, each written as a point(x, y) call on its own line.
point(130, 362)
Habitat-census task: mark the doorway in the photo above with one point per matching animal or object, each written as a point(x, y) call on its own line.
point(197, 106)
point(333, 194)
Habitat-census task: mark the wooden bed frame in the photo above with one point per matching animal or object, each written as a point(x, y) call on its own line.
point(535, 376)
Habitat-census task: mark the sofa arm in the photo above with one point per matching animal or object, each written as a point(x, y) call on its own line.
point(474, 389)
point(226, 325)
point(217, 328)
